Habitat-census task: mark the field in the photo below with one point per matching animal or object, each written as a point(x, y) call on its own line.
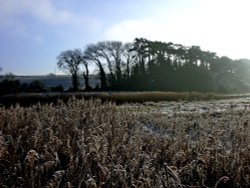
point(27, 99)
point(52, 81)
point(92, 143)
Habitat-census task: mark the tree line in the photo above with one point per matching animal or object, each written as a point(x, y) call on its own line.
point(145, 65)
point(9, 84)
point(155, 65)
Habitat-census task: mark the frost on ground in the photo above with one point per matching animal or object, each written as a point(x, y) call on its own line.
point(216, 131)
point(213, 109)
point(93, 144)
point(201, 107)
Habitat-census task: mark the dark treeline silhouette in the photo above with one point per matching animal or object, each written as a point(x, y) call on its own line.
point(9, 84)
point(146, 65)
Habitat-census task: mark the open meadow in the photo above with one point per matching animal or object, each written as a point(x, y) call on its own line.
point(124, 94)
point(91, 143)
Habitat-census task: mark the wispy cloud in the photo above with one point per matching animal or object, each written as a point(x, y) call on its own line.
point(212, 25)
point(45, 11)
point(14, 14)
point(129, 29)
point(38, 39)
point(42, 10)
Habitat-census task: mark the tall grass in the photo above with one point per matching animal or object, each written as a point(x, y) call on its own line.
point(90, 144)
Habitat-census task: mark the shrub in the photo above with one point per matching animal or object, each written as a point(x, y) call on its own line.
point(9, 86)
point(37, 86)
point(59, 88)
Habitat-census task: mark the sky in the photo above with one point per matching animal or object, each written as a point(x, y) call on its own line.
point(34, 32)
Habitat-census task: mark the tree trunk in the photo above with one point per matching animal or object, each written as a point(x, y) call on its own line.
point(103, 78)
point(75, 82)
point(86, 80)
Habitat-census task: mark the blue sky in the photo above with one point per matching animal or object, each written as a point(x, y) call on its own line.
point(34, 32)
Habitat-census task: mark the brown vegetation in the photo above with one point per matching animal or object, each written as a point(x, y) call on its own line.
point(26, 99)
point(89, 144)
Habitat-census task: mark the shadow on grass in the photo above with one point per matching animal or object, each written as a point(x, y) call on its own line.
point(27, 99)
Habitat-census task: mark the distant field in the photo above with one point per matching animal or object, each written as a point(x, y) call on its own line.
point(51, 81)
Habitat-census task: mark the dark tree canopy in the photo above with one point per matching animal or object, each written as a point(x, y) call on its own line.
point(146, 65)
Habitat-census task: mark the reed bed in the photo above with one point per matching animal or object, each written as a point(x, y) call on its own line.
point(88, 143)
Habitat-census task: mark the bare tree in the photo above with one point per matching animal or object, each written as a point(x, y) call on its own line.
point(111, 52)
point(79, 56)
point(70, 61)
point(92, 53)
point(115, 56)
point(115, 50)
point(128, 57)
